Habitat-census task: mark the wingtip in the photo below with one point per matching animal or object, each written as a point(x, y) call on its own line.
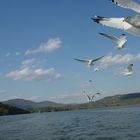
point(97, 19)
point(101, 33)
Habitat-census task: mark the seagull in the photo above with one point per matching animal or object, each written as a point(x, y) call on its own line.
point(121, 40)
point(90, 99)
point(130, 24)
point(89, 62)
point(98, 93)
point(129, 4)
point(119, 23)
point(128, 71)
point(96, 69)
point(90, 81)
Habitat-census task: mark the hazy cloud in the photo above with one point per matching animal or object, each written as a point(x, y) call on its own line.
point(47, 47)
point(69, 98)
point(118, 59)
point(30, 71)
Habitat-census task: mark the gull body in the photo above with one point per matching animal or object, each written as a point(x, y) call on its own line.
point(89, 62)
point(128, 71)
point(120, 40)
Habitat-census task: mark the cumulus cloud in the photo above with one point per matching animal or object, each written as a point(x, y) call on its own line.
point(28, 62)
point(30, 71)
point(118, 59)
point(47, 47)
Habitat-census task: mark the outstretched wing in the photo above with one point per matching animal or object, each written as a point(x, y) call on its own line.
point(92, 97)
point(118, 23)
point(129, 4)
point(110, 36)
point(82, 60)
point(97, 59)
point(130, 67)
point(88, 97)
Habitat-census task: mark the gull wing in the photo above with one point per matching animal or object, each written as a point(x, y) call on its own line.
point(88, 97)
point(129, 4)
point(130, 67)
point(110, 36)
point(92, 97)
point(97, 59)
point(82, 60)
point(117, 23)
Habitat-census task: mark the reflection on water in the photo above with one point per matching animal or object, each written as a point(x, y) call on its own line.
point(98, 124)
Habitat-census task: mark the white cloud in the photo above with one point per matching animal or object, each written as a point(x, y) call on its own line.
point(118, 59)
point(47, 47)
point(28, 62)
point(30, 71)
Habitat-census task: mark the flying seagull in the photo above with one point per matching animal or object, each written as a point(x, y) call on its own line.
point(98, 93)
point(90, 98)
point(89, 62)
point(128, 71)
point(121, 40)
point(128, 24)
point(129, 4)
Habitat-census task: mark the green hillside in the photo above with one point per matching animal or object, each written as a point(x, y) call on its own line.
point(27, 104)
point(8, 110)
point(47, 106)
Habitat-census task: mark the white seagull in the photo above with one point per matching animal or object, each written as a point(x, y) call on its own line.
point(121, 40)
point(128, 71)
point(128, 24)
point(89, 62)
point(120, 23)
point(129, 4)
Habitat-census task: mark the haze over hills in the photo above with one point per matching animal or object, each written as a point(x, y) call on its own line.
point(48, 106)
point(27, 104)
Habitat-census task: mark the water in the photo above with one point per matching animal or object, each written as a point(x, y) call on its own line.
point(97, 124)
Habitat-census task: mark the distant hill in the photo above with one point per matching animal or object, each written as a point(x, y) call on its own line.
point(20, 103)
point(27, 104)
point(117, 100)
point(8, 110)
point(47, 106)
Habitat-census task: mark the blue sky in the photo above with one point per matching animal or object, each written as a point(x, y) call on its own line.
point(40, 39)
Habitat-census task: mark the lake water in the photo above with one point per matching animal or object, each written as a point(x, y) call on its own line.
point(96, 124)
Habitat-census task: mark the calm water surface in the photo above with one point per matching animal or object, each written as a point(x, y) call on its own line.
point(97, 124)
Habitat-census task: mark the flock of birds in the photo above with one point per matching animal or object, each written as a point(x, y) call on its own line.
point(130, 24)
